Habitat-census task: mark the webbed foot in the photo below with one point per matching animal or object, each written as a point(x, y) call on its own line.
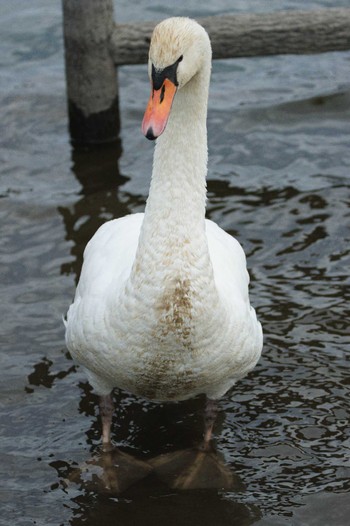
point(111, 471)
point(195, 469)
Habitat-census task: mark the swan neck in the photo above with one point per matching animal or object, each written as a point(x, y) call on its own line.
point(173, 240)
point(178, 185)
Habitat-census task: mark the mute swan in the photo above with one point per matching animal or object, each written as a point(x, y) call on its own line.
point(162, 308)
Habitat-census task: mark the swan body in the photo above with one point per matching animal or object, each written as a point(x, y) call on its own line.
point(162, 307)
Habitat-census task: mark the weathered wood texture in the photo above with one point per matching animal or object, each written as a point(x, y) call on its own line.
point(94, 45)
point(246, 35)
point(92, 89)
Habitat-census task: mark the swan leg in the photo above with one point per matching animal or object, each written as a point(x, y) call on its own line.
point(198, 467)
point(106, 411)
point(109, 470)
point(210, 414)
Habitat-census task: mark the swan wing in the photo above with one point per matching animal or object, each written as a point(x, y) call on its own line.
point(229, 264)
point(232, 281)
point(108, 259)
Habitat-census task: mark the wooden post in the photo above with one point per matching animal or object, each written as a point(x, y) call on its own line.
point(92, 89)
point(95, 45)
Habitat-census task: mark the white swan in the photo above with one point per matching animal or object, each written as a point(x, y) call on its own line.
point(162, 307)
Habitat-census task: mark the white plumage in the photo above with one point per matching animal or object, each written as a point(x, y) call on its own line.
point(162, 307)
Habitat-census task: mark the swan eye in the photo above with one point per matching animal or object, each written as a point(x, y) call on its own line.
point(180, 59)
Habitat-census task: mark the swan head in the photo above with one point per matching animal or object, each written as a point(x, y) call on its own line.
point(178, 51)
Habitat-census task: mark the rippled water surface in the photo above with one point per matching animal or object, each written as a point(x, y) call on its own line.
point(279, 181)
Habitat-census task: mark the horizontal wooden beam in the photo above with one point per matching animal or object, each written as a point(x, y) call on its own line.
point(247, 35)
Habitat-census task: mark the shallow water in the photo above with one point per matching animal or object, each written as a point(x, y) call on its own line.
point(278, 180)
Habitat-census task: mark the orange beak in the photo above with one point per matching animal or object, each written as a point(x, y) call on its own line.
point(158, 110)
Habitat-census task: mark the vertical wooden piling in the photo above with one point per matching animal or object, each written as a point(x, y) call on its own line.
point(92, 89)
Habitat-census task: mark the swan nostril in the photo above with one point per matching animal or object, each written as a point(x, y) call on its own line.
point(161, 98)
point(150, 135)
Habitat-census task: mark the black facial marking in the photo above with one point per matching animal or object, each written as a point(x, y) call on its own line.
point(159, 75)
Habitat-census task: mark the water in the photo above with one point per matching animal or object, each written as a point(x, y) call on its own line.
point(278, 180)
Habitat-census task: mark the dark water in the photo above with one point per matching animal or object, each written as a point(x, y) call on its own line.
point(279, 181)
